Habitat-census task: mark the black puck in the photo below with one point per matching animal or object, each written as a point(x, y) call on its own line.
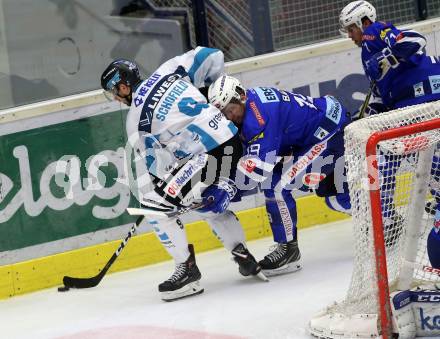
point(63, 289)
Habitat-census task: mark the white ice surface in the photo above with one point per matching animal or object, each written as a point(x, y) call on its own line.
point(127, 304)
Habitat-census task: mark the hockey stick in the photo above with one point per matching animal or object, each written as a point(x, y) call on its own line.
point(149, 211)
point(71, 282)
point(367, 100)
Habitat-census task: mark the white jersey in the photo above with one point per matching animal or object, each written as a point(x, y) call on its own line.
point(170, 119)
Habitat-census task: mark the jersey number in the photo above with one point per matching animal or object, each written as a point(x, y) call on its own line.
point(191, 107)
point(301, 100)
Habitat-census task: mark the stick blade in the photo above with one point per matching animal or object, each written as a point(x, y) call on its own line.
point(72, 282)
point(146, 212)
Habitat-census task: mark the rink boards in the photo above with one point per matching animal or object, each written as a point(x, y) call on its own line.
point(45, 235)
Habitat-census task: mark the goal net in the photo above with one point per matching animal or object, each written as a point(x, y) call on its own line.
point(393, 172)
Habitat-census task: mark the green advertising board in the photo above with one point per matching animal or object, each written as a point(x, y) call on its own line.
point(39, 203)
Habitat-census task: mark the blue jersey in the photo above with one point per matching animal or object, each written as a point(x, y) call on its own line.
point(279, 123)
point(415, 78)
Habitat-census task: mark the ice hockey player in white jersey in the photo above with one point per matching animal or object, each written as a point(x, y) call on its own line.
point(190, 151)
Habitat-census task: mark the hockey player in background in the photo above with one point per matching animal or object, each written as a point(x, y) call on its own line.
point(402, 74)
point(190, 151)
point(395, 60)
point(292, 142)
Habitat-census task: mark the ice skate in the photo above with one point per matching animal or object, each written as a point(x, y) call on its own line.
point(285, 258)
point(247, 265)
point(184, 282)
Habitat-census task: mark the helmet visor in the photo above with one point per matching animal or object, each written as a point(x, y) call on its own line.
point(111, 93)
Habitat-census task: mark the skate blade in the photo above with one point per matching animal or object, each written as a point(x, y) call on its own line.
point(193, 288)
point(288, 268)
point(262, 276)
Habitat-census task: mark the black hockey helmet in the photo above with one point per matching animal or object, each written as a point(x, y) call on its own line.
point(120, 71)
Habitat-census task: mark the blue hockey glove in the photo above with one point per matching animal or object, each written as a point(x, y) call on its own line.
point(216, 198)
point(380, 63)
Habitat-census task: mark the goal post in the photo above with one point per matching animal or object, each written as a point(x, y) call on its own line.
point(390, 160)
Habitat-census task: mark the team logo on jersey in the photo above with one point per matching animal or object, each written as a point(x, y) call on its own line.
point(313, 179)
point(257, 113)
point(384, 32)
point(418, 90)
point(266, 94)
point(248, 165)
point(321, 133)
point(434, 81)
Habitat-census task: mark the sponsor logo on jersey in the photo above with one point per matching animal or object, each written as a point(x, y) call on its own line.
point(334, 110)
point(248, 165)
point(159, 86)
point(418, 90)
point(368, 37)
point(306, 159)
point(266, 94)
point(213, 123)
point(185, 174)
point(257, 113)
point(434, 81)
point(320, 133)
point(313, 179)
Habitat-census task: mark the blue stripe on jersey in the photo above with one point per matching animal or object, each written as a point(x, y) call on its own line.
point(233, 128)
point(199, 59)
point(207, 140)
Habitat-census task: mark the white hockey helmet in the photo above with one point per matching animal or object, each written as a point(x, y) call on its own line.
point(223, 90)
point(354, 12)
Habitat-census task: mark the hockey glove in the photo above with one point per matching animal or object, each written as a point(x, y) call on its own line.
point(216, 198)
point(380, 63)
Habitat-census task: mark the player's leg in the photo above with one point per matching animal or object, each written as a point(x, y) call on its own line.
point(185, 279)
point(285, 257)
point(229, 231)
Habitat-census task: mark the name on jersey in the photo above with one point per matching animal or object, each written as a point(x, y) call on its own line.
point(213, 123)
point(185, 174)
point(257, 113)
point(169, 100)
point(306, 159)
point(266, 94)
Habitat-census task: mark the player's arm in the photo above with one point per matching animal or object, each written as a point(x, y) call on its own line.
point(260, 158)
point(203, 65)
point(405, 45)
point(402, 46)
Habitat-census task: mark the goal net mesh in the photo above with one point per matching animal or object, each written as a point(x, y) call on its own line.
point(397, 161)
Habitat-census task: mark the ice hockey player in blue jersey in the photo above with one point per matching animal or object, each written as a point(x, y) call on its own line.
point(183, 143)
point(292, 142)
point(395, 60)
point(402, 73)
